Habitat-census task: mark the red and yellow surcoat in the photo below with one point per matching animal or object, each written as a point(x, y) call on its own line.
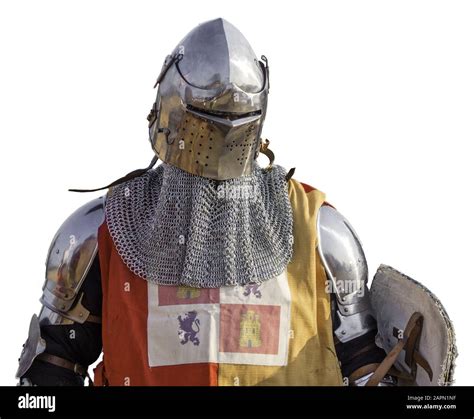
point(275, 333)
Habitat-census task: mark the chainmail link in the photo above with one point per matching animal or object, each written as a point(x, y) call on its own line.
point(171, 227)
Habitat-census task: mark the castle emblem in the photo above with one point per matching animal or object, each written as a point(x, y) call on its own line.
point(188, 292)
point(250, 326)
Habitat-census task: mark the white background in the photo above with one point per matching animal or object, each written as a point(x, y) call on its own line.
point(371, 101)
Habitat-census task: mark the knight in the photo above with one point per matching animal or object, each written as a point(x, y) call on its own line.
point(275, 277)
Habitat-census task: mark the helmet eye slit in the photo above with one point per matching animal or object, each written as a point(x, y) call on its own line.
point(212, 103)
point(230, 116)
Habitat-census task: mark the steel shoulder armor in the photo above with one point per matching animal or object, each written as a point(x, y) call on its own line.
point(346, 269)
point(69, 259)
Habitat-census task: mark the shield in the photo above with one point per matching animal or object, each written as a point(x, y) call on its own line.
point(413, 327)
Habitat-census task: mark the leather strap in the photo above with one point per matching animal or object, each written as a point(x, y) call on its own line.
point(385, 365)
point(63, 363)
point(290, 174)
point(123, 179)
point(409, 342)
point(423, 363)
point(94, 319)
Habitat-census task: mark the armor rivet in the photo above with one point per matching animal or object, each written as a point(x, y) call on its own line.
point(343, 332)
point(80, 314)
point(345, 309)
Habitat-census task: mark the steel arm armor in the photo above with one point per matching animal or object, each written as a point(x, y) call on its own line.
point(346, 269)
point(71, 298)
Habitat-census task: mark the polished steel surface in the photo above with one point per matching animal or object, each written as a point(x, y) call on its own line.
point(33, 346)
point(211, 104)
point(48, 317)
point(354, 325)
point(342, 256)
point(215, 53)
point(347, 273)
point(70, 256)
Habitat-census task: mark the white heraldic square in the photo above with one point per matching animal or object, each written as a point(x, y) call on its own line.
point(238, 325)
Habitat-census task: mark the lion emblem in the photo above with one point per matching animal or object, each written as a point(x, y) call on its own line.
point(188, 328)
point(252, 288)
